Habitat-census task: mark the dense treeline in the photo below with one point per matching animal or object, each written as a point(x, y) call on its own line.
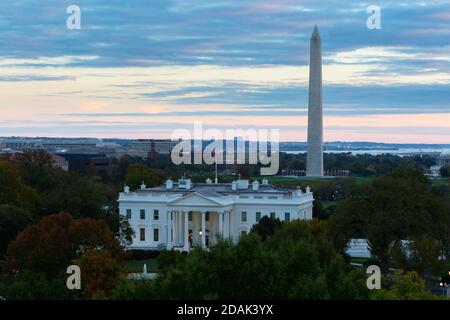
point(30, 189)
point(405, 219)
point(359, 165)
point(275, 261)
point(445, 171)
point(297, 261)
point(50, 219)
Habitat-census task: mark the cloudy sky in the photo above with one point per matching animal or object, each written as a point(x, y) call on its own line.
point(142, 68)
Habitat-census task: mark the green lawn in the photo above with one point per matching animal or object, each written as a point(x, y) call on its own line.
point(359, 260)
point(328, 204)
point(137, 266)
point(440, 181)
point(289, 181)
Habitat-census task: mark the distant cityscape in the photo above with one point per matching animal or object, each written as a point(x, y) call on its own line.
point(141, 147)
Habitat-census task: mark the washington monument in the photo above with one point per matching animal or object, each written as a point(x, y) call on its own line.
point(314, 159)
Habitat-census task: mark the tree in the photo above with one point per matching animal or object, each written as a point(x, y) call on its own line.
point(81, 196)
point(91, 234)
point(50, 245)
point(404, 286)
point(29, 285)
point(36, 169)
point(445, 171)
point(43, 247)
point(12, 189)
point(138, 173)
point(266, 227)
point(43, 251)
point(296, 262)
point(126, 289)
point(101, 272)
point(12, 220)
point(120, 225)
point(395, 207)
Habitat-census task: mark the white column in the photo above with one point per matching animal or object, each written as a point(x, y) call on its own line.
point(186, 231)
point(180, 228)
point(221, 223)
point(203, 229)
point(169, 230)
point(174, 228)
point(229, 224)
point(195, 219)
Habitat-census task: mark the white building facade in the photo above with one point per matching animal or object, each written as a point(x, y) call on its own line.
point(181, 215)
point(443, 159)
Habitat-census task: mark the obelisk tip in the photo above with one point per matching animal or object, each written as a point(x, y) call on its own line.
point(315, 34)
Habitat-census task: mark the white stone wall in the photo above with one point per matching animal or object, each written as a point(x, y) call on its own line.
point(299, 207)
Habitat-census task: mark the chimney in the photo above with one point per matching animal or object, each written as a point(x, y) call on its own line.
point(233, 185)
point(126, 189)
point(255, 185)
point(169, 184)
point(143, 186)
point(308, 189)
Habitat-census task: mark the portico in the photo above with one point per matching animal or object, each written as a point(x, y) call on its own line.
point(195, 219)
point(195, 227)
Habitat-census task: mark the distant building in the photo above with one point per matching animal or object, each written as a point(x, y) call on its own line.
point(48, 144)
point(85, 162)
point(444, 159)
point(19, 144)
point(147, 147)
point(181, 214)
point(358, 248)
point(60, 162)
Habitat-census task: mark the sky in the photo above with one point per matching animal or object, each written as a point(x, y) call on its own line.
point(144, 68)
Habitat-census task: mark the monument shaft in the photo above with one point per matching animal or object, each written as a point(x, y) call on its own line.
point(314, 161)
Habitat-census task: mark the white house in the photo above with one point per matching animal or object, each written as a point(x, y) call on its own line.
point(181, 214)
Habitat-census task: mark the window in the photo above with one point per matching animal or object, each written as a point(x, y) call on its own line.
point(142, 214)
point(155, 214)
point(243, 233)
point(190, 216)
point(207, 216)
point(244, 216)
point(155, 234)
point(287, 217)
point(272, 197)
point(272, 215)
point(142, 234)
point(128, 213)
point(258, 216)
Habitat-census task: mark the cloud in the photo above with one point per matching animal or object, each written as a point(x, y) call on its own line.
point(31, 78)
point(197, 58)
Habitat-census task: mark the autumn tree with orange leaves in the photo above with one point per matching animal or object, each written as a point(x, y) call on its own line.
point(59, 240)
